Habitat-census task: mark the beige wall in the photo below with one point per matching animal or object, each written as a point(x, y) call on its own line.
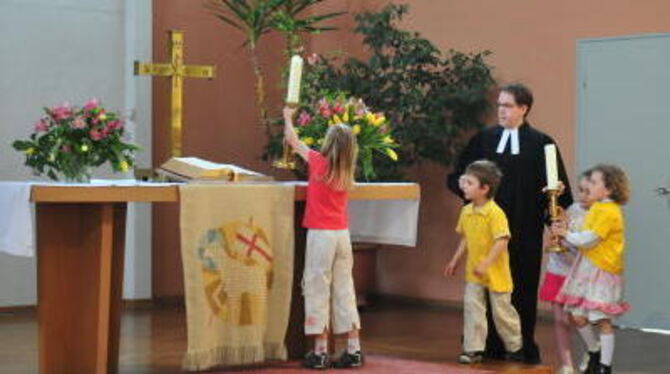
point(220, 122)
point(533, 42)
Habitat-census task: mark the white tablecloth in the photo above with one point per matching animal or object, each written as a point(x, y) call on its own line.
point(372, 221)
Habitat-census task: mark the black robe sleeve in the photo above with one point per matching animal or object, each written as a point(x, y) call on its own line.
point(472, 152)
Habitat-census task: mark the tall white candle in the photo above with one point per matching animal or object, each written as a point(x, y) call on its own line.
point(552, 168)
point(293, 94)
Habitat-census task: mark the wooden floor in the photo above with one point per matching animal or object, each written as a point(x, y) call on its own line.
point(153, 340)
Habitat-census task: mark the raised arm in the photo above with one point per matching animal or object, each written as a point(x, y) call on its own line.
point(291, 137)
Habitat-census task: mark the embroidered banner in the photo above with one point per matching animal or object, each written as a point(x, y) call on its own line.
point(237, 252)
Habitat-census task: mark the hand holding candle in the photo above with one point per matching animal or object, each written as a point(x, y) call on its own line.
point(295, 76)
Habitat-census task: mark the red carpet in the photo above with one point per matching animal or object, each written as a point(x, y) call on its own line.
point(373, 365)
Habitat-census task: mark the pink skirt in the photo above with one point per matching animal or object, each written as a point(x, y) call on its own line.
point(550, 287)
point(592, 293)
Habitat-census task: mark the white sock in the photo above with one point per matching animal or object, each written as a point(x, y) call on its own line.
point(589, 338)
point(320, 345)
point(607, 349)
point(353, 345)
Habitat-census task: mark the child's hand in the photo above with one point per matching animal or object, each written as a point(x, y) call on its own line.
point(289, 113)
point(480, 270)
point(450, 269)
point(559, 228)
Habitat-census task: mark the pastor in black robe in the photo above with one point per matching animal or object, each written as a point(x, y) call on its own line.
point(521, 198)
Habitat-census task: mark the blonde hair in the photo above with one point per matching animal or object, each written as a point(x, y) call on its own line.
point(615, 181)
point(341, 150)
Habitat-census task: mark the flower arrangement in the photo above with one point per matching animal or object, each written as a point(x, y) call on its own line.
point(68, 141)
point(372, 130)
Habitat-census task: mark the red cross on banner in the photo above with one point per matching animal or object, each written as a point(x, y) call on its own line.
point(253, 245)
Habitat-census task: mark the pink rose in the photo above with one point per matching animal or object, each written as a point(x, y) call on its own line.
point(326, 112)
point(95, 134)
point(113, 125)
point(338, 108)
point(79, 123)
point(304, 118)
point(41, 125)
point(91, 104)
point(61, 112)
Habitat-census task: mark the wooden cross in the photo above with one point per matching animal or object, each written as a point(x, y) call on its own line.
point(177, 71)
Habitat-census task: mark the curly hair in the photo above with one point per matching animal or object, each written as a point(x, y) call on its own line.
point(615, 180)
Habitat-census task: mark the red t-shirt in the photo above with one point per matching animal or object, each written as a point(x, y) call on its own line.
point(326, 207)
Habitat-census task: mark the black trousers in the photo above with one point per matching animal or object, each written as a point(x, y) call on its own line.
point(525, 254)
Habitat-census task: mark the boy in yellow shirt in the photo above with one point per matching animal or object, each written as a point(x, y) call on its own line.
point(484, 232)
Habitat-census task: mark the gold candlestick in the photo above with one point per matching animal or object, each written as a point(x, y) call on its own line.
point(554, 215)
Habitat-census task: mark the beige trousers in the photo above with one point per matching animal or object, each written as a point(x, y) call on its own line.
point(327, 283)
point(475, 326)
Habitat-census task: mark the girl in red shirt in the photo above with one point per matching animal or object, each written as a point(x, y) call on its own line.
point(328, 285)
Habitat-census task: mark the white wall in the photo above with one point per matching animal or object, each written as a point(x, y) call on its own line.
point(53, 51)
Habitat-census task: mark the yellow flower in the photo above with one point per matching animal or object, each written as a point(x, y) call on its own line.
point(378, 120)
point(30, 151)
point(308, 140)
point(337, 118)
point(123, 166)
point(388, 140)
point(370, 118)
point(391, 153)
point(356, 129)
point(102, 117)
point(84, 148)
point(345, 117)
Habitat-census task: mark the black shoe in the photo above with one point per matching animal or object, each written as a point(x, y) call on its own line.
point(316, 360)
point(470, 357)
point(516, 356)
point(594, 363)
point(531, 360)
point(604, 369)
point(349, 360)
point(491, 354)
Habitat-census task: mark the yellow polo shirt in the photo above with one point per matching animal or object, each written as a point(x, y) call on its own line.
point(605, 219)
point(481, 226)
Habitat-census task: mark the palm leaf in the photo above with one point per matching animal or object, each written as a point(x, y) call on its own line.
point(228, 21)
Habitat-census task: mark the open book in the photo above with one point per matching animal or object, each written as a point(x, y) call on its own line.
point(192, 169)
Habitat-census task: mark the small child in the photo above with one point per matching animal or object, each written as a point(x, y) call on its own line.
point(484, 237)
point(593, 291)
point(558, 267)
point(328, 285)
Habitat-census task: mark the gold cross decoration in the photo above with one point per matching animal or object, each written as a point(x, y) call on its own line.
point(177, 71)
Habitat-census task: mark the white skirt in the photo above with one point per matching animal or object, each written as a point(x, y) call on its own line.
point(591, 292)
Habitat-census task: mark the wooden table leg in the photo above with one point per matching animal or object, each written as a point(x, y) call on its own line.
point(80, 250)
